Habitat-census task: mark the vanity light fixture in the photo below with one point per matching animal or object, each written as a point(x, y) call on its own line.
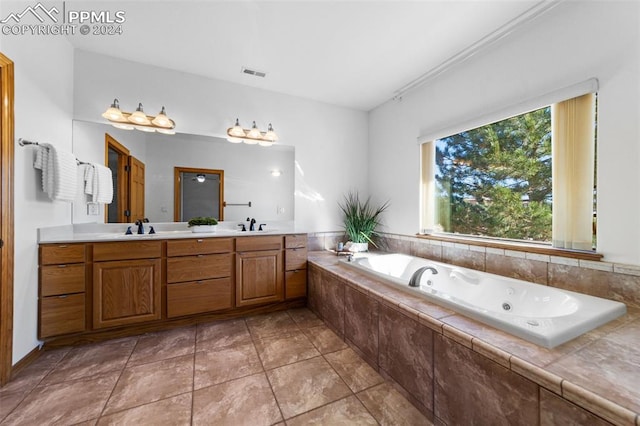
point(237, 134)
point(139, 120)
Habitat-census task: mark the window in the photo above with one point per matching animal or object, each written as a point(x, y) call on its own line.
point(528, 177)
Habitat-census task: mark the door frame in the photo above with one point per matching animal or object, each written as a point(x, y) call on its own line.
point(177, 189)
point(7, 131)
point(122, 191)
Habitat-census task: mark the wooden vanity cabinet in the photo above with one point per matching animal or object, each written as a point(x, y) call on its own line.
point(259, 270)
point(199, 276)
point(62, 290)
point(127, 283)
point(295, 279)
point(87, 288)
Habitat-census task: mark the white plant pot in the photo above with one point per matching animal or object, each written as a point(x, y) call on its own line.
point(356, 247)
point(204, 228)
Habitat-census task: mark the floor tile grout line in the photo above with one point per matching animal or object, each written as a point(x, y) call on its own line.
point(30, 391)
point(193, 375)
point(106, 402)
point(142, 405)
point(349, 387)
point(264, 371)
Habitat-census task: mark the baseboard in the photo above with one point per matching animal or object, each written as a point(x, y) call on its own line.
point(27, 360)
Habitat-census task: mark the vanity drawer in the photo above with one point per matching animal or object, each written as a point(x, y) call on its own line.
point(62, 279)
point(295, 241)
point(52, 254)
point(295, 284)
point(199, 296)
point(62, 315)
point(258, 243)
point(199, 246)
point(127, 250)
point(200, 267)
point(295, 259)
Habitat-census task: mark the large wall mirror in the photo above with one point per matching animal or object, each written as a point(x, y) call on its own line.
point(258, 181)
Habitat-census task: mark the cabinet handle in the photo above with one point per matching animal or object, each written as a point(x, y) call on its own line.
point(199, 241)
point(200, 255)
point(62, 266)
point(64, 296)
point(198, 282)
point(63, 246)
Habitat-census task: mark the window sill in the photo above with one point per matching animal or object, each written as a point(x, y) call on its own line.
point(515, 246)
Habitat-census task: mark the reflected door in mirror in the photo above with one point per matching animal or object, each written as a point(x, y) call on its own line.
point(128, 183)
point(198, 193)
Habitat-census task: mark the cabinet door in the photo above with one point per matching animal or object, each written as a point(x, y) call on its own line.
point(259, 277)
point(125, 292)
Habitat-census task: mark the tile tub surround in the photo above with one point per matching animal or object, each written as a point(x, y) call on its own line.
point(265, 369)
point(593, 375)
point(602, 279)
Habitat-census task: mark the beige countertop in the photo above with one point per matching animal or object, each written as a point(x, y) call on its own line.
point(599, 370)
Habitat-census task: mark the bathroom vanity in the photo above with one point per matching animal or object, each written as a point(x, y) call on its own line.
point(128, 285)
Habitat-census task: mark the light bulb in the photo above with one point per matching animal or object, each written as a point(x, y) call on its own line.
point(161, 120)
point(113, 113)
point(271, 135)
point(236, 131)
point(139, 117)
point(254, 132)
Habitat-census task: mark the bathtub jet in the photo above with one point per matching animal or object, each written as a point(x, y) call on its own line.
point(543, 315)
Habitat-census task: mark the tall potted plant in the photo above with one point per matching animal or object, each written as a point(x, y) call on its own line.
point(360, 221)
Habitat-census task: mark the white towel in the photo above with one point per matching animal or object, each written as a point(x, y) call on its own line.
point(44, 162)
point(102, 185)
point(89, 177)
point(65, 175)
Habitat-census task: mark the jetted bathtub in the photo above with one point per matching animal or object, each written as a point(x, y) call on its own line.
point(543, 315)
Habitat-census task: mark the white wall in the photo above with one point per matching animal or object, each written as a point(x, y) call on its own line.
point(572, 43)
point(326, 138)
point(43, 112)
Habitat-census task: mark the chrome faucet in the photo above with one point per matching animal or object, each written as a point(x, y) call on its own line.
point(417, 275)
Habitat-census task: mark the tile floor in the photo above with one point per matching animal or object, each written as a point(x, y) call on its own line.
point(280, 368)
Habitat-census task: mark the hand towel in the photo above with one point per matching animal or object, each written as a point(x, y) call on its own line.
point(44, 162)
point(104, 192)
point(89, 178)
point(65, 176)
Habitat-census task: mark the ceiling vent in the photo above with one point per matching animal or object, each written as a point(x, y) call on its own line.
point(253, 72)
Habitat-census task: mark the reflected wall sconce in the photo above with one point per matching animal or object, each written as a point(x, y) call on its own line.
point(139, 120)
point(237, 134)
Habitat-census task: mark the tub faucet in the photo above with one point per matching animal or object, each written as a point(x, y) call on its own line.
point(417, 275)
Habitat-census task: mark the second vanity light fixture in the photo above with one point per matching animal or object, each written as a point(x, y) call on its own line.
point(237, 134)
point(139, 120)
